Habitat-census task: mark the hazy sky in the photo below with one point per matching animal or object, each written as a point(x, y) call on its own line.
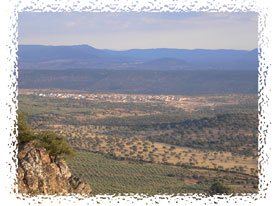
point(121, 31)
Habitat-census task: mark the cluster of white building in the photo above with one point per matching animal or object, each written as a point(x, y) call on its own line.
point(113, 97)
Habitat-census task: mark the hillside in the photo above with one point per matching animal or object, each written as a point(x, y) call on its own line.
point(83, 56)
point(143, 82)
point(199, 58)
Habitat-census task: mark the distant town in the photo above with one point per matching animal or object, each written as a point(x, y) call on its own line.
point(187, 103)
point(62, 94)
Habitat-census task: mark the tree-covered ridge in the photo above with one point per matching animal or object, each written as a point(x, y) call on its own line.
point(142, 81)
point(235, 132)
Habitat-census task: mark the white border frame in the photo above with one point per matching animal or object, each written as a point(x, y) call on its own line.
point(8, 96)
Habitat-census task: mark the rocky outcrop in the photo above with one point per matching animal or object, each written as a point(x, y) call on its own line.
point(40, 173)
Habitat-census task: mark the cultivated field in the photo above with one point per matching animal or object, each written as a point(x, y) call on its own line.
point(111, 176)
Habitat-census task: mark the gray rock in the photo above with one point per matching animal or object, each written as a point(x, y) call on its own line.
point(40, 173)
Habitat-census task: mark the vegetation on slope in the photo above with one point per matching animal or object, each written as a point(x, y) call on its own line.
point(143, 82)
point(55, 145)
point(234, 132)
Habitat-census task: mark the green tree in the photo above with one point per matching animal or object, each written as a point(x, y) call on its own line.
point(55, 144)
point(219, 188)
point(25, 134)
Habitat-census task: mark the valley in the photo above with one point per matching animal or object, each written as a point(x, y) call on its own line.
point(209, 137)
point(139, 103)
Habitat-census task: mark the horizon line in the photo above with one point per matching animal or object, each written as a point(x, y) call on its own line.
point(132, 48)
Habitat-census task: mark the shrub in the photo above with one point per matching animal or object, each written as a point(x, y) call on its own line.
point(52, 142)
point(219, 188)
point(25, 134)
point(56, 145)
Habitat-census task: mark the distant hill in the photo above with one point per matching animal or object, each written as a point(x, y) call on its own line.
point(86, 57)
point(166, 62)
point(66, 57)
point(199, 58)
point(39, 53)
point(143, 81)
point(145, 71)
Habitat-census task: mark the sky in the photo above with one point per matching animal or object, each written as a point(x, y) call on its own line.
point(133, 30)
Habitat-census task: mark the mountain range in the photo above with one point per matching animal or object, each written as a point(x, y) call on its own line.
point(87, 57)
point(138, 71)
